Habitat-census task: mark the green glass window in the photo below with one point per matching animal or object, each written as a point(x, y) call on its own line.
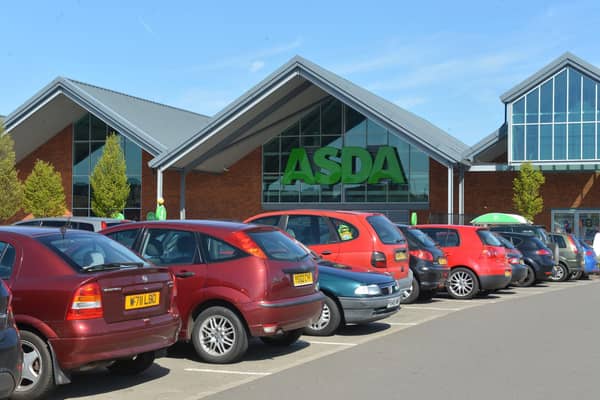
point(518, 111)
point(574, 140)
point(560, 141)
point(589, 99)
point(589, 141)
point(532, 106)
point(560, 97)
point(532, 142)
point(518, 142)
point(574, 95)
point(546, 102)
point(546, 142)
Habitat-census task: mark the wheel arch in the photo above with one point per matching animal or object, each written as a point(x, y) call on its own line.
point(214, 303)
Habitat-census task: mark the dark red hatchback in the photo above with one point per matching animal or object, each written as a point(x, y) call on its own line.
point(234, 281)
point(81, 300)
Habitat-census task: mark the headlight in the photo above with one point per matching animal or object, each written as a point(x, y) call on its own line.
point(317, 287)
point(370, 290)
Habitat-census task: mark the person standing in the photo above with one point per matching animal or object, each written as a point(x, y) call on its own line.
point(596, 243)
point(161, 211)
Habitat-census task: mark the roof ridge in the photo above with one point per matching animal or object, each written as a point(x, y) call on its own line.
point(136, 97)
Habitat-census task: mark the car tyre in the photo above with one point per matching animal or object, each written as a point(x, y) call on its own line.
point(38, 374)
point(560, 273)
point(411, 295)
point(462, 284)
point(529, 279)
point(134, 365)
point(577, 275)
point(329, 320)
point(283, 339)
point(219, 336)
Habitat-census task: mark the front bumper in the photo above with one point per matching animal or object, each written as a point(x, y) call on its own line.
point(492, 282)
point(369, 309)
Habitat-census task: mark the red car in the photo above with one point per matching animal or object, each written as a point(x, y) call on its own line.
point(234, 281)
point(365, 241)
point(476, 258)
point(81, 300)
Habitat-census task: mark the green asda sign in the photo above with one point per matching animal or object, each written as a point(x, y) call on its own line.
point(329, 171)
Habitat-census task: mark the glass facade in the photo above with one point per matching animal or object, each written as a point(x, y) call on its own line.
point(338, 152)
point(557, 121)
point(89, 136)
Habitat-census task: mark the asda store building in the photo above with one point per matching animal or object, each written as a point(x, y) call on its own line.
point(307, 138)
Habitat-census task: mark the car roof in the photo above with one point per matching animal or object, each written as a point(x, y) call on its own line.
point(449, 226)
point(34, 231)
point(517, 234)
point(72, 219)
point(329, 213)
point(190, 224)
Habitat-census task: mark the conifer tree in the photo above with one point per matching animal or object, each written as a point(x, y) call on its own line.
point(44, 192)
point(11, 189)
point(526, 191)
point(110, 189)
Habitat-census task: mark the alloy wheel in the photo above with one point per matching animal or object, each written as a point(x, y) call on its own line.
point(558, 273)
point(32, 366)
point(323, 320)
point(217, 335)
point(461, 283)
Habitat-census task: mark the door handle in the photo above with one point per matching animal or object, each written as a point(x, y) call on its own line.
point(185, 274)
point(326, 253)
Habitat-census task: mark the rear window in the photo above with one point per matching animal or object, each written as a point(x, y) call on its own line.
point(85, 251)
point(559, 240)
point(533, 243)
point(421, 237)
point(505, 242)
point(443, 237)
point(272, 220)
point(488, 238)
point(387, 232)
point(278, 246)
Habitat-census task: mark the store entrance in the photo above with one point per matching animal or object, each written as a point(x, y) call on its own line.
point(582, 223)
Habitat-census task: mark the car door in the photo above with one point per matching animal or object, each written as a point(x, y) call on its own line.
point(315, 232)
point(179, 251)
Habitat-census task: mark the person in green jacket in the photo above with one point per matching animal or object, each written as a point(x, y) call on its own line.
point(161, 211)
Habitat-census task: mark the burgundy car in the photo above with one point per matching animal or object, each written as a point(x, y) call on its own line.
point(81, 300)
point(234, 281)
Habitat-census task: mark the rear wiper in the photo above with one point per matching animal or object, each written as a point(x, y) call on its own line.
point(112, 265)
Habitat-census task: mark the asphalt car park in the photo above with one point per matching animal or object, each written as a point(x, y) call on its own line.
point(181, 376)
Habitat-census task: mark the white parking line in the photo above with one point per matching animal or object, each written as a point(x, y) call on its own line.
point(432, 308)
point(222, 371)
point(402, 323)
point(332, 343)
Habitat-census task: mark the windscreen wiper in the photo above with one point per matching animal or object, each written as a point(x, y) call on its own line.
point(112, 265)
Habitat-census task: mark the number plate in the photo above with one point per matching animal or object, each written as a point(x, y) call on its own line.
point(142, 300)
point(399, 256)
point(393, 302)
point(305, 278)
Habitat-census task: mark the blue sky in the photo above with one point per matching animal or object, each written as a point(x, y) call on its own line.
point(446, 61)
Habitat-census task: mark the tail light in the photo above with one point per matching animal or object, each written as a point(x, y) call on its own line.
point(488, 253)
point(543, 252)
point(246, 243)
point(422, 254)
point(103, 225)
point(513, 260)
point(378, 259)
point(86, 304)
point(589, 253)
point(573, 245)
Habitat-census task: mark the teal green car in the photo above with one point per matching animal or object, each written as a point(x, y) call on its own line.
point(353, 298)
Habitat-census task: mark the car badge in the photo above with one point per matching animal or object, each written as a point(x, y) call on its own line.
point(144, 278)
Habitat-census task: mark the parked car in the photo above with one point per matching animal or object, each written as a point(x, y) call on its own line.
point(366, 241)
point(571, 257)
point(591, 262)
point(538, 231)
point(475, 256)
point(80, 301)
point(515, 259)
point(353, 298)
point(427, 262)
point(11, 357)
point(234, 281)
point(93, 224)
point(536, 255)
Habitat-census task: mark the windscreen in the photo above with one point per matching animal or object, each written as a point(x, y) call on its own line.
point(83, 251)
point(385, 229)
point(278, 246)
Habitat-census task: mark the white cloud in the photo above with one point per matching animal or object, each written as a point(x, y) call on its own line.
point(256, 65)
point(146, 26)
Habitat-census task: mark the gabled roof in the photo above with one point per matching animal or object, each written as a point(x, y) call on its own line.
point(428, 137)
point(487, 145)
point(155, 127)
point(567, 59)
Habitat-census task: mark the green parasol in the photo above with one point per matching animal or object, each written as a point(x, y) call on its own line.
point(500, 218)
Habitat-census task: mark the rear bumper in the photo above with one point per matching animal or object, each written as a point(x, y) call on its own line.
point(283, 315)
point(10, 354)
point(156, 334)
point(363, 310)
point(543, 271)
point(434, 277)
point(491, 282)
point(519, 271)
point(406, 283)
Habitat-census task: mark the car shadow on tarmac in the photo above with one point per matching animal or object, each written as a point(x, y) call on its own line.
point(100, 381)
point(257, 350)
point(360, 330)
